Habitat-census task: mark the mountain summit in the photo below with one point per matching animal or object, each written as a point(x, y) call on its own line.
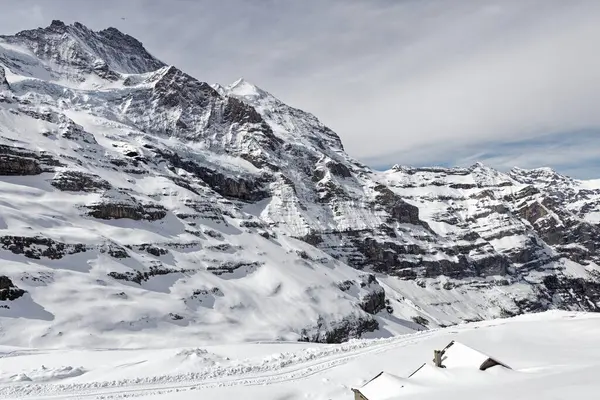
point(156, 205)
point(77, 46)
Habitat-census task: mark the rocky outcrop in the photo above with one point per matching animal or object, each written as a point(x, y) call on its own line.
point(151, 249)
point(382, 255)
point(572, 292)
point(351, 327)
point(3, 82)
point(115, 251)
point(17, 165)
point(374, 299)
point(142, 276)
point(38, 247)
point(18, 161)
point(127, 211)
point(178, 89)
point(8, 291)
point(399, 210)
point(76, 181)
point(235, 187)
point(241, 113)
point(370, 294)
point(122, 206)
point(230, 267)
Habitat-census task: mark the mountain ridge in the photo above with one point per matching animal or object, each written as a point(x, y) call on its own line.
point(159, 204)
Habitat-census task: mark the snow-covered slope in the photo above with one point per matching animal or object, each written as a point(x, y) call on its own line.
point(138, 203)
point(552, 355)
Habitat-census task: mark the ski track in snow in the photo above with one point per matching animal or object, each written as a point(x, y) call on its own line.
point(291, 369)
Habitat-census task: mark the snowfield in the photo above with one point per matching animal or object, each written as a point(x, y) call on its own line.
point(553, 355)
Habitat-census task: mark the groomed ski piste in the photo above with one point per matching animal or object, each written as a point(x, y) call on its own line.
point(553, 355)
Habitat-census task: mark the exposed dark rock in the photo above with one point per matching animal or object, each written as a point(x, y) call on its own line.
point(573, 293)
point(38, 247)
point(329, 191)
point(223, 247)
point(226, 185)
point(178, 89)
point(339, 331)
point(462, 186)
point(345, 285)
point(453, 269)
point(19, 161)
point(491, 266)
point(303, 254)
point(175, 317)
point(257, 224)
point(240, 112)
point(231, 266)
point(533, 211)
point(374, 301)
point(3, 82)
point(114, 209)
point(213, 234)
point(186, 184)
point(572, 237)
point(339, 169)
point(102, 69)
point(383, 256)
point(75, 181)
point(204, 292)
point(152, 249)
point(42, 116)
point(420, 320)
point(71, 130)
point(206, 209)
point(142, 276)
point(318, 174)
point(400, 211)
point(16, 165)
point(8, 291)
point(312, 238)
point(115, 251)
point(336, 169)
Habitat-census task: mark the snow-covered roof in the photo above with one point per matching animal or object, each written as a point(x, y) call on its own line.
point(458, 355)
point(384, 386)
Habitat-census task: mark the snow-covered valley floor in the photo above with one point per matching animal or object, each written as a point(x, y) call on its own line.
point(554, 355)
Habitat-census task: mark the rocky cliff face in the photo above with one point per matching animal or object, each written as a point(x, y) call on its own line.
point(3, 82)
point(159, 203)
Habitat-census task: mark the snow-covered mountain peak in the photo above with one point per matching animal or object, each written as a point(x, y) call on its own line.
point(476, 175)
point(251, 94)
point(290, 124)
point(73, 51)
point(540, 176)
point(243, 88)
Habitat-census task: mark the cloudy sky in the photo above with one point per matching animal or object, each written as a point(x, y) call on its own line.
point(415, 82)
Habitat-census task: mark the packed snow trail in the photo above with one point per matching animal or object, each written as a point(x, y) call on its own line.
point(289, 369)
